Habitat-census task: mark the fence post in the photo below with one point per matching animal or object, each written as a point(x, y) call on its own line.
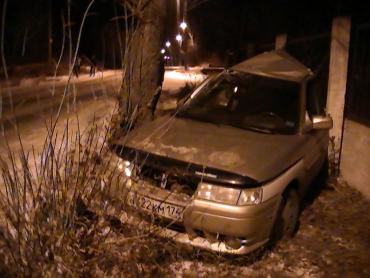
point(280, 41)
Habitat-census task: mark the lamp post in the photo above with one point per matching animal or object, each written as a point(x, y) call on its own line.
point(179, 40)
point(185, 31)
point(183, 25)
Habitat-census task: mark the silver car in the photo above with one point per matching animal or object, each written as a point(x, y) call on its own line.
point(229, 169)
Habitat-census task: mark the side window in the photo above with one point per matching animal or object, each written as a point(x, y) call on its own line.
point(316, 98)
point(317, 89)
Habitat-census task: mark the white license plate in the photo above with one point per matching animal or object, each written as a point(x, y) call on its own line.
point(160, 208)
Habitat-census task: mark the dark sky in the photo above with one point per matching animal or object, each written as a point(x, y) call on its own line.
point(219, 26)
point(231, 24)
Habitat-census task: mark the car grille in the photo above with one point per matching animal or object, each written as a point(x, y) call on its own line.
point(169, 180)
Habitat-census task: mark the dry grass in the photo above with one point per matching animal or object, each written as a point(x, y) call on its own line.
point(47, 227)
point(44, 219)
point(63, 214)
point(57, 217)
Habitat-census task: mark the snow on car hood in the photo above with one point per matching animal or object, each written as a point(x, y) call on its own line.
point(248, 153)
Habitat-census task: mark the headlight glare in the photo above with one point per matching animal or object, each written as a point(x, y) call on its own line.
point(128, 172)
point(126, 167)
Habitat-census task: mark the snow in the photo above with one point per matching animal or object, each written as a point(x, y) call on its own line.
point(174, 79)
point(44, 80)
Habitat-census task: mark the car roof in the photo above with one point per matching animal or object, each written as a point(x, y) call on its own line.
point(276, 64)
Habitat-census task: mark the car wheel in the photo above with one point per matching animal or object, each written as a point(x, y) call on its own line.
point(289, 213)
point(287, 216)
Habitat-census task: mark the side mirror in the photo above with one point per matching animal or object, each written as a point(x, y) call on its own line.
point(322, 122)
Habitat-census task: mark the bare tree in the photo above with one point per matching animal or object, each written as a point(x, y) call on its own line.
point(142, 58)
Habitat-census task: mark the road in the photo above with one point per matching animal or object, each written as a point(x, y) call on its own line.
point(33, 103)
point(33, 96)
point(30, 106)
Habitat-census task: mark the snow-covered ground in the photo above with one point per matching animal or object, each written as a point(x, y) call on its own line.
point(26, 82)
point(174, 79)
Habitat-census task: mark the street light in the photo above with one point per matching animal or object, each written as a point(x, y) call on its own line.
point(178, 37)
point(183, 25)
point(163, 50)
point(168, 44)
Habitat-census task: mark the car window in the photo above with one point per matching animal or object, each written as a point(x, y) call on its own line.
point(316, 98)
point(247, 101)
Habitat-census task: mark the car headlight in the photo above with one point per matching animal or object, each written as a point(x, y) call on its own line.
point(250, 197)
point(126, 167)
point(219, 194)
point(229, 195)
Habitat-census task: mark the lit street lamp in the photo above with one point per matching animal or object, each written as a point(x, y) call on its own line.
point(168, 44)
point(179, 38)
point(183, 25)
point(163, 50)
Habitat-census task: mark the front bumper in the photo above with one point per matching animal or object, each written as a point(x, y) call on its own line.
point(251, 223)
point(198, 242)
point(209, 224)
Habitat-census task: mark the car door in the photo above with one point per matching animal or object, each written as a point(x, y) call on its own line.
point(316, 148)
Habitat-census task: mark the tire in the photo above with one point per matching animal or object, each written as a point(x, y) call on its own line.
point(287, 217)
point(290, 213)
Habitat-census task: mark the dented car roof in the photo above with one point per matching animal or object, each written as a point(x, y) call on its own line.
point(275, 64)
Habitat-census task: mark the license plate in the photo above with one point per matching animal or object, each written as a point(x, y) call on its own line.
point(160, 208)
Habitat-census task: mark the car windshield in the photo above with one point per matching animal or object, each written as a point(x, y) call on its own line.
point(246, 101)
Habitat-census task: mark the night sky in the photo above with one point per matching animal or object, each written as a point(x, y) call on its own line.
point(222, 29)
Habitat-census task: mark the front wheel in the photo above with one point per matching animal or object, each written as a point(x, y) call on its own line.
point(287, 217)
point(290, 213)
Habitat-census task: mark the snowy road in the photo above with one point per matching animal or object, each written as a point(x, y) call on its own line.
point(34, 102)
point(33, 97)
point(32, 105)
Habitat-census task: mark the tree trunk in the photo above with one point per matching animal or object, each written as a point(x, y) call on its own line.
point(143, 60)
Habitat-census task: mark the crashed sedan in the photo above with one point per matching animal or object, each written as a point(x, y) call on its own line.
point(229, 169)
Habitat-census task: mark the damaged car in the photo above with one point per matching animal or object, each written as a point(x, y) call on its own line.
point(229, 169)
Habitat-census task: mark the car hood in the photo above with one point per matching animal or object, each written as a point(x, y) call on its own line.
point(256, 155)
